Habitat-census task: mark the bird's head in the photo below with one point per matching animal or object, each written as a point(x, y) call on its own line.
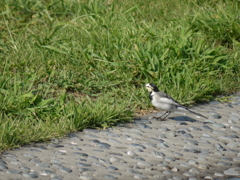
point(151, 87)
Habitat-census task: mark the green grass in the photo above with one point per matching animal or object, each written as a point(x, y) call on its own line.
point(68, 65)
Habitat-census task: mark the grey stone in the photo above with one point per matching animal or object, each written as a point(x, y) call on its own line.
point(90, 136)
point(162, 136)
point(148, 145)
point(65, 169)
point(231, 121)
point(189, 141)
point(114, 140)
point(216, 116)
point(115, 173)
point(209, 121)
point(103, 161)
point(143, 163)
point(56, 161)
point(139, 176)
point(47, 171)
point(84, 164)
point(226, 159)
point(182, 123)
point(29, 155)
point(220, 133)
point(113, 134)
point(235, 128)
point(226, 139)
point(77, 148)
point(133, 171)
point(138, 145)
point(30, 175)
point(60, 153)
point(194, 171)
point(167, 172)
point(186, 135)
point(158, 140)
point(131, 153)
point(57, 165)
point(98, 164)
point(34, 150)
point(207, 127)
point(178, 154)
point(115, 159)
point(184, 165)
point(214, 102)
point(158, 154)
point(2, 166)
point(109, 177)
point(81, 154)
point(144, 126)
point(218, 174)
point(86, 169)
point(94, 141)
point(203, 166)
point(170, 134)
point(25, 168)
point(86, 177)
point(103, 145)
point(55, 145)
point(201, 159)
point(112, 168)
point(219, 147)
point(235, 118)
point(162, 145)
point(188, 174)
point(175, 169)
point(35, 160)
point(232, 136)
point(219, 125)
point(236, 102)
point(43, 165)
point(138, 150)
point(192, 150)
point(232, 171)
point(2, 162)
point(177, 178)
point(194, 129)
point(232, 145)
point(224, 164)
point(192, 162)
point(170, 159)
point(12, 158)
point(236, 159)
point(163, 129)
point(13, 171)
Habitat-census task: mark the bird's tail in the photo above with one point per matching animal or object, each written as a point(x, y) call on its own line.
point(197, 114)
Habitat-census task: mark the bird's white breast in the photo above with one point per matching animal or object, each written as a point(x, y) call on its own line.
point(163, 103)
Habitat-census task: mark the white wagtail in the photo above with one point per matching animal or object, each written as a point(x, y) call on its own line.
point(163, 101)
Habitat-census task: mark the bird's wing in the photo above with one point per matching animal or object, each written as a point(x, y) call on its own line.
point(168, 99)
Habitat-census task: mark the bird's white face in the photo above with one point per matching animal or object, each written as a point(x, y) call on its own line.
point(149, 87)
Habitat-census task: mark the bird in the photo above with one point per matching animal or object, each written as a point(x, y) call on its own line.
point(165, 102)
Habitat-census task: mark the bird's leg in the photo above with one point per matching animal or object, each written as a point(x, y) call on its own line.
point(166, 114)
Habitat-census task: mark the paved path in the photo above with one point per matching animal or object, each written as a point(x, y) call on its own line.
point(183, 147)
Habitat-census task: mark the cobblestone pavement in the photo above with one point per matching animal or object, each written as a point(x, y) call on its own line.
point(182, 147)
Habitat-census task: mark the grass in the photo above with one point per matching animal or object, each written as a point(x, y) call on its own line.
point(69, 65)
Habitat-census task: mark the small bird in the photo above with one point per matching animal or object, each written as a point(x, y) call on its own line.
point(165, 102)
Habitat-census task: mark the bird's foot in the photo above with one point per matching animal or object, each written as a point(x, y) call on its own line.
point(159, 118)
